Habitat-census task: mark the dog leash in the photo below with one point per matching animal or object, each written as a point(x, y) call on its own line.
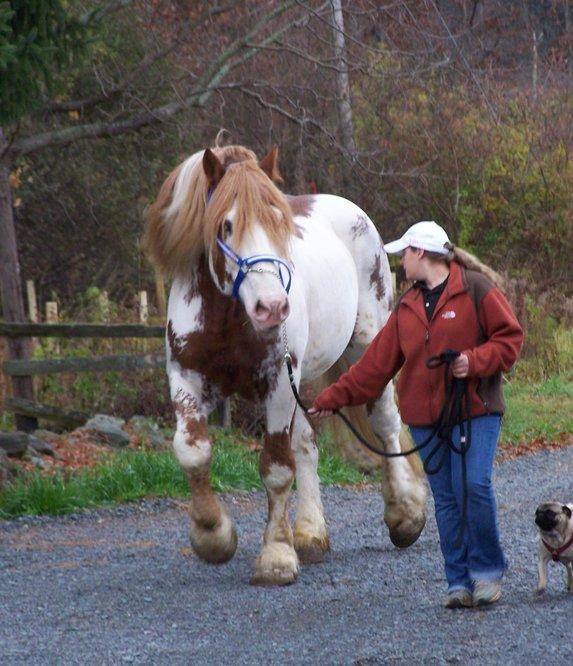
point(456, 403)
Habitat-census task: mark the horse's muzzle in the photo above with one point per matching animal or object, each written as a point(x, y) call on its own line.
point(268, 314)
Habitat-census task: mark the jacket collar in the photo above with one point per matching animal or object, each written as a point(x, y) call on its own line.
point(456, 285)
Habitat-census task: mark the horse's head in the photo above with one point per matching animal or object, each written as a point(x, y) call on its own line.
point(247, 226)
point(223, 204)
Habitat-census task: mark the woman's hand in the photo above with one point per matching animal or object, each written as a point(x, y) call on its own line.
point(461, 366)
point(319, 413)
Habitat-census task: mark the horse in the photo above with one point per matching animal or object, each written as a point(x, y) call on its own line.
point(256, 272)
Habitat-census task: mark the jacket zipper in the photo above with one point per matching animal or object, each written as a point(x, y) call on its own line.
point(430, 388)
point(483, 402)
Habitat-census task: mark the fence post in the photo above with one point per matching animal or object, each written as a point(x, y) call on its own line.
point(143, 307)
point(227, 413)
point(52, 318)
point(160, 293)
point(32, 309)
point(222, 414)
point(104, 309)
point(32, 301)
point(51, 312)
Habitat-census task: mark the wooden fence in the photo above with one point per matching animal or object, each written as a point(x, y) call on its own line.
point(27, 410)
point(26, 368)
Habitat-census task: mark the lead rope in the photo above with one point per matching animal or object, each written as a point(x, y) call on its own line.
point(456, 403)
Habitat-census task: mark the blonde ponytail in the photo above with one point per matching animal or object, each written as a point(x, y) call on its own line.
point(472, 263)
point(466, 260)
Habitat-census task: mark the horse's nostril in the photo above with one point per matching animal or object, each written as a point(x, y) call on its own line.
point(261, 310)
point(284, 309)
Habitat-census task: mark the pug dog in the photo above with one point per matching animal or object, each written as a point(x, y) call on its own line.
point(555, 526)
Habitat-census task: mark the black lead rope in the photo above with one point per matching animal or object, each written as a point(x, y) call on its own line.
point(455, 411)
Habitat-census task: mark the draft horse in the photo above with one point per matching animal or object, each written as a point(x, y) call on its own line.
point(247, 260)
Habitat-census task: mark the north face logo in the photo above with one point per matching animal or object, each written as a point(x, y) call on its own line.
point(449, 314)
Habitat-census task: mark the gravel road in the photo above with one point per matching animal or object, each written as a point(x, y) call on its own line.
point(121, 586)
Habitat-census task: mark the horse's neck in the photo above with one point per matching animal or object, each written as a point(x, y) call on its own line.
point(224, 337)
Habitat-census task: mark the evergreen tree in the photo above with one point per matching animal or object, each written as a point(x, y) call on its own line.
point(37, 38)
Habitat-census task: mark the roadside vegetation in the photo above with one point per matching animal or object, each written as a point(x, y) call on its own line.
point(539, 392)
point(539, 397)
point(130, 475)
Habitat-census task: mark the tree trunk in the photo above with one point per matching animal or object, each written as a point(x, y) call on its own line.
point(535, 63)
point(342, 83)
point(569, 38)
point(11, 290)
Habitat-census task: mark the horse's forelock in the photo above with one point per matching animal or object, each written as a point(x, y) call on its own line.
point(255, 197)
point(181, 227)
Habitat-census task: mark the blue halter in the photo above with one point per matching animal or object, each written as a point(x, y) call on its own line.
point(246, 265)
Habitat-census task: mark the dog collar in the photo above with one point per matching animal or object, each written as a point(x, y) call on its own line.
point(556, 552)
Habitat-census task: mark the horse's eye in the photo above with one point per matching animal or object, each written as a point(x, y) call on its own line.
point(227, 228)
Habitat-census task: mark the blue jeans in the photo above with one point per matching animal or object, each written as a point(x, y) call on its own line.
point(479, 556)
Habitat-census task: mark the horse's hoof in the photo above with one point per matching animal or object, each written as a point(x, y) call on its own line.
point(310, 549)
point(276, 565)
point(273, 578)
point(406, 533)
point(215, 545)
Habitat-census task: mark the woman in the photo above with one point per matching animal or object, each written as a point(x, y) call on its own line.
point(453, 304)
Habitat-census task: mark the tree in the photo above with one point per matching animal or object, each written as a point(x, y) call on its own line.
point(343, 87)
point(42, 35)
point(37, 37)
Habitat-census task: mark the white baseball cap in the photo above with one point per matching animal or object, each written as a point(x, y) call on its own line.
point(425, 235)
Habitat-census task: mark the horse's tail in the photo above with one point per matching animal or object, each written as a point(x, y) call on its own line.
point(347, 444)
point(472, 263)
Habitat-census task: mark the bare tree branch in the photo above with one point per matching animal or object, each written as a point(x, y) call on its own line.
point(144, 65)
point(467, 65)
point(198, 97)
point(220, 68)
point(100, 12)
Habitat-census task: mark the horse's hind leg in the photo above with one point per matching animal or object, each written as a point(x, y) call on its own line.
point(403, 486)
point(310, 535)
point(278, 562)
point(212, 533)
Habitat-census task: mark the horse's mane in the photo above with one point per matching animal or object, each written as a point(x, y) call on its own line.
point(181, 227)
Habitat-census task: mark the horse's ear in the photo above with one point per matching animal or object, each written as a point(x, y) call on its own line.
point(214, 170)
point(270, 165)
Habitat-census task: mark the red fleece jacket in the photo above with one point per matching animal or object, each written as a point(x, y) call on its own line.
point(491, 338)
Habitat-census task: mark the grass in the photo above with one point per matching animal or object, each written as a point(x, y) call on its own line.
point(542, 409)
point(535, 409)
point(7, 422)
point(130, 475)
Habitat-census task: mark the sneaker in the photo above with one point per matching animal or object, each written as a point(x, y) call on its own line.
point(486, 592)
point(458, 599)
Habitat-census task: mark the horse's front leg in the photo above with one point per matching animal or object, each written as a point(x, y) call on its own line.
point(212, 534)
point(310, 535)
point(278, 562)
